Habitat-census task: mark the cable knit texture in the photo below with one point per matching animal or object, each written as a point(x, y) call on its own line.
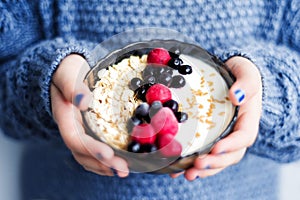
point(36, 35)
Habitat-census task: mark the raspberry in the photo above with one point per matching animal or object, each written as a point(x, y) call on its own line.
point(158, 56)
point(168, 146)
point(158, 92)
point(143, 134)
point(165, 122)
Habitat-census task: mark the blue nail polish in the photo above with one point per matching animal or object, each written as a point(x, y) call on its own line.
point(207, 167)
point(78, 99)
point(239, 95)
point(99, 156)
point(114, 171)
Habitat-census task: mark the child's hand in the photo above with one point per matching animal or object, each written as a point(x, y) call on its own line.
point(68, 96)
point(246, 92)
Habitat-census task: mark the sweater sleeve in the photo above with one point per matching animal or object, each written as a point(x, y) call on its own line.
point(30, 52)
point(25, 87)
point(279, 136)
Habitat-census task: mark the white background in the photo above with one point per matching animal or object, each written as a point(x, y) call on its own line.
point(10, 152)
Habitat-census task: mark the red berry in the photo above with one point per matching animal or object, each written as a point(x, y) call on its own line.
point(143, 134)
point(168, 145)
point(159, 56)
point(165, 122)
point(158, 92)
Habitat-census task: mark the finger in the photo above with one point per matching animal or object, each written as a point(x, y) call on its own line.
point(98, 171)
point(216, 161)
point(235, 141)
point(91, 164)
point(248, 80)
point(120, 165)
point(175, 175)
point(193, 173)
point(245, 130)
point(72, 130)
point(209, 172)
point(68, 78)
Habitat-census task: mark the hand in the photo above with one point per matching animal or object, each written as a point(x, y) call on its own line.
point(246, 92)
point(69, 95)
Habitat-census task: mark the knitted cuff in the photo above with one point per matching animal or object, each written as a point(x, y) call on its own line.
point(59, 55)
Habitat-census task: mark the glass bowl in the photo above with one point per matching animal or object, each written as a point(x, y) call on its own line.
point(200, 60)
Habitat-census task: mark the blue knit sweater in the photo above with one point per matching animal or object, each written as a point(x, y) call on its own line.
point(36, 35)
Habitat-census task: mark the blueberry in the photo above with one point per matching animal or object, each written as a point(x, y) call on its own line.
point(181, 116)
point(147, 119)
point(172, 104)
point(134, 147)
point(160, 70)
point(135, 83)
point(148, 71)
point(165, 79)
point(168, 70)
point(132, 122)
point(150, 79)
point(175, 63)
point(174, 54)
point(178, 81)
point(140, 93)
point(185, 69)
point(155, 107)
point(148, 148)
point(142, 110)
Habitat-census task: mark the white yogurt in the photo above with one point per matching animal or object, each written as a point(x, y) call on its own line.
point(205, 99)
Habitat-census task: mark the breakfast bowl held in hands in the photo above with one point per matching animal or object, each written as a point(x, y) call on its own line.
point(159, 104)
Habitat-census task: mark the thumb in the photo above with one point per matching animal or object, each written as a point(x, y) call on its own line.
point(68, 78)
point(248, 80)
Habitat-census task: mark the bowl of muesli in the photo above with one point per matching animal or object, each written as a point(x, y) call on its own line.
point(160, 104)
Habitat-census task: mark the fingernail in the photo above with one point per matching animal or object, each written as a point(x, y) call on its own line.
point(207, 167)
point(114, 171)
point(99, 156)
point(78, 99)
point(239, 95)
